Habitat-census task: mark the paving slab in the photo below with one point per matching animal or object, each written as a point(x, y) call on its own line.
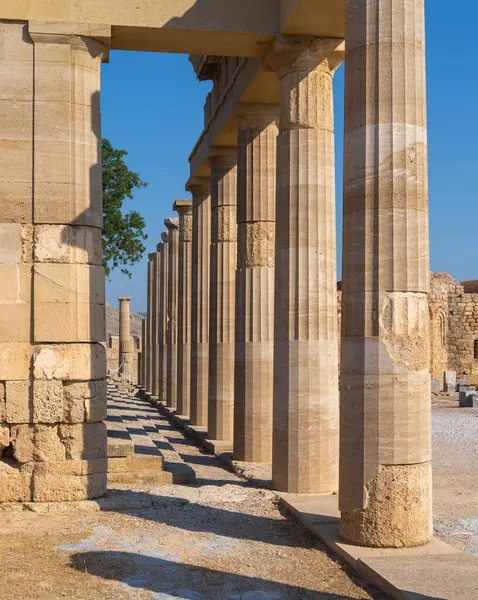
point(428, 577)
point(312, 510)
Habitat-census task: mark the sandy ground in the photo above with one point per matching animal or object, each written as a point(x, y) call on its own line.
point(221, 538)
point(455, 474)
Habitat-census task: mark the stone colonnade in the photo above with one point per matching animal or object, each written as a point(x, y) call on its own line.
point(263, 312)
point(282, 404)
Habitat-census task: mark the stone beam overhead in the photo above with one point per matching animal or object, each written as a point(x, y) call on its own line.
point(220, 27)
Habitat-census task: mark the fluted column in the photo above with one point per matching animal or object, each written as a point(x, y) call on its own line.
point(305, 436)
point(254, 347)
point(185, 210)
point(143, 356)
point(126, 342)
point(149, 325)
point(163, 319)
point(172, 225)
point(385, 486)
point(154, 323)
point(222, 299)
point(200, 189)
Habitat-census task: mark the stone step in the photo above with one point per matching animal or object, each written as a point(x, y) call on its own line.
point(138, 451)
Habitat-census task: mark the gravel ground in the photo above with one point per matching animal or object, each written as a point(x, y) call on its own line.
point(455, 472)
point(220, 539)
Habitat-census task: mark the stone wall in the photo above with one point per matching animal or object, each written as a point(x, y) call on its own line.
point(463, 334)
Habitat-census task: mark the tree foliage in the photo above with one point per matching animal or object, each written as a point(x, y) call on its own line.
point(123, 232)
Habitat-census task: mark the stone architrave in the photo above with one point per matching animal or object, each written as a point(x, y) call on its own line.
point(254, 338)
point(172, 225)
point(223, 161)
point(200, 188)
point(185, 210)
point(163, 319)
point(126, 343)
point(52, 305)
point(385, 431)
point(306, 404)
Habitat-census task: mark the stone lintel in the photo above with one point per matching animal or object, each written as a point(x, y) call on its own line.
point(96, 31)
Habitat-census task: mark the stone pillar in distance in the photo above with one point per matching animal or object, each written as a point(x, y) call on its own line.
point(172, 225)
point(52, 320)
point(223, 161)
point(254, 367)
point(200, 188)
point(306, 404)
point(185, 210)
point(142, 357)
point(126, 342)
point(385, 483)
point(163, 319)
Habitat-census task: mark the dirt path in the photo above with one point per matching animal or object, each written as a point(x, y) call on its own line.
point(220, 539)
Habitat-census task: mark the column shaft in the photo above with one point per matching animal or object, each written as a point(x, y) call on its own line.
point(149, 328)
point(184, 209)
point(126, 343)
point(222, 299)
point(163, 320)
point(155, 323)
point(201, 242)
point(52, 321)
point(254, 348)
point(385, 487)
point(142, 358)
point(172, 332)
point(305, 436)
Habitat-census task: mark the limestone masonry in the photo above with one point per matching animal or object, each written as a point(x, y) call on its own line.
point(242, 335)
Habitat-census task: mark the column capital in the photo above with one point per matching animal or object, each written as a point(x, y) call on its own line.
point(124, 298)
point(257, 116)
point(151, 256)
point(172, 223)
point(165, 237)
point(158, 247)
point(94, 38)
point(222, 156)
point(292, 53)
point(198, 185)
point(183, 207)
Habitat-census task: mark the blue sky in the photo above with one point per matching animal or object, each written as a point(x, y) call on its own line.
point(152, 106)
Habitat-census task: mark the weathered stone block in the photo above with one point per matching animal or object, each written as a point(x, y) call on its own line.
point(67, 244)
point(37, 443)
point(10, 242)
point(16, 284)
point(85, 441)
point(468, 399)
point(147, 464)
point(4, 436)
point(15, 482)
point(58, 487)
point(15, 360)
point(15, 322)
point(3, 413)
point(436, 386)
point(120, 465)
point(18, 402)
point(85, 401)
point(47, 401)
point(450, 381)
point(69, 362)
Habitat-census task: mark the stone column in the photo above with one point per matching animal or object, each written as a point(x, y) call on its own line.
point(126, 342)
point(149, 326)
point(305, 437)
point(52, 364)
point(185, 210)
point(200, 189)
point(256, 174)
point(223, 163)
point(142, 357)
point(155, 324)
point(163, 319)
point(385, 484)
point(172, 225)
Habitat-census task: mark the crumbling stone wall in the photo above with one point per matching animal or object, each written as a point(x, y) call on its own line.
point(463, 334)
point(441, 286)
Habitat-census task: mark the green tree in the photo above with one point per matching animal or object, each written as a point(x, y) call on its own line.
point(123, 233)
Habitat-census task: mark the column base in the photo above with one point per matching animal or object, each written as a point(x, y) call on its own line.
point(398, 512)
